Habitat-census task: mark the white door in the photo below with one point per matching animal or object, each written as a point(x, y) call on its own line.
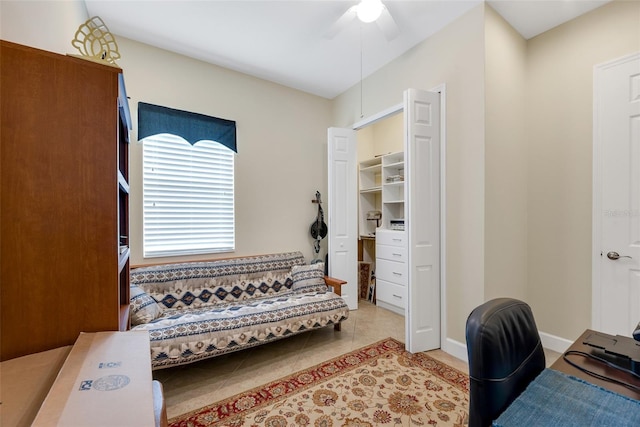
point(422, 213)
point(616, 262)
point(343, 211)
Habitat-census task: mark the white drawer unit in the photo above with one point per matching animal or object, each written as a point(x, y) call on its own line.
point(391, 238)
point(391, 270)
point(392, 294)
point(391, 253)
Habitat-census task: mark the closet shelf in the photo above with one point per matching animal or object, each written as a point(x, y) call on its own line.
point(371, 190)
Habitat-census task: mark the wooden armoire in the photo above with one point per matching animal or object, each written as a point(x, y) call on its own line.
point(64, 199)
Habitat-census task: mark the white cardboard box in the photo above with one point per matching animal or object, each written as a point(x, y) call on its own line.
point(105, 381)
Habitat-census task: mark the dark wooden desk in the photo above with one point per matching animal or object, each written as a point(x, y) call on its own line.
point(562, 366)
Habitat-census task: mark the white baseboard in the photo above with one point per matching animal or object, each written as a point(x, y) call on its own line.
point(456, 349)
point(551, 342)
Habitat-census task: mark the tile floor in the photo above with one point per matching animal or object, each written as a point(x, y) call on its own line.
point(193, 386)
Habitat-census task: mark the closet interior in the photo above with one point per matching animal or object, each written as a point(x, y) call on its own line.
point(382, 242)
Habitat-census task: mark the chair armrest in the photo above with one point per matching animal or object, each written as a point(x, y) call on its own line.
point(336, 284)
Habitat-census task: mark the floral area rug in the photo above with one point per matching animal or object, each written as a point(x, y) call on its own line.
point(378, 385)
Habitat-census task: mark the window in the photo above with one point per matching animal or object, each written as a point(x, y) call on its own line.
point(188, 196)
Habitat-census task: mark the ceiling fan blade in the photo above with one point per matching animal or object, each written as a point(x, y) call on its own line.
point(387, 24)
point(341, 23)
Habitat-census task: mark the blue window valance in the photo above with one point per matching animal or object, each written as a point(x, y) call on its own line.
point(193, 127)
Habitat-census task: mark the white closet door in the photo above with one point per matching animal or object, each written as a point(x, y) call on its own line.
point(422, 213)
point(343, 211)
point(616, 236)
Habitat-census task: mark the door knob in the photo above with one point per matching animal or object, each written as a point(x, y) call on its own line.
point(615, 255)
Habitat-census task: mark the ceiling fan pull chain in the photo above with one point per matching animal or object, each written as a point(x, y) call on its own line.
point(361, 107)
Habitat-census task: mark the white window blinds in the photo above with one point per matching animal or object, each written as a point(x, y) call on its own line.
point(188, 197)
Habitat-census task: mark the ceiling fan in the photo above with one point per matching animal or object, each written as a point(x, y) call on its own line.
point(367, 11)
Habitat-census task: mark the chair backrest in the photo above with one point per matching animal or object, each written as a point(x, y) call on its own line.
point(505, 355)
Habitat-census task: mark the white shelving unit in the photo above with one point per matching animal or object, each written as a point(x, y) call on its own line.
point(391, 240)
point(370, 176)
point(382, 189)
point(392, 189)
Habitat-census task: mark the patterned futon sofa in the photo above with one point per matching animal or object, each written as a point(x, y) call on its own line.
point(197, 310)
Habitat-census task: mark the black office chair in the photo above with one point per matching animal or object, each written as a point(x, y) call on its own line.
point(505, 355)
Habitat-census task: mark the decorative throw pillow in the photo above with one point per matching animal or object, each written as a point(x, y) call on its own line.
point(309, 278)
point(142, 307)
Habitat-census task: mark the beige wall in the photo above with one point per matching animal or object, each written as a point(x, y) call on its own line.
point(559, 130)
point(388, 135)
point(365, 143)
point(281, 132)
point(454, 56)
point(505, 160)
point(539, 160)
point(515, 214)
point(48, 25)
point(281, 159)
point(518, 165)
point(382, 137)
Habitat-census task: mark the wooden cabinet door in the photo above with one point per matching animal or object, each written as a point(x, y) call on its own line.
point(59, 199)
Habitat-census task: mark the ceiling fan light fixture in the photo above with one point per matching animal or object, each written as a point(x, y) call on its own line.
point(369, 10)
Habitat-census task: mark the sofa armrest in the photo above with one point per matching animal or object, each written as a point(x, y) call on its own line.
point(336, 284)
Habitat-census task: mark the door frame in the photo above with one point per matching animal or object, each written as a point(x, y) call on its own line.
point(442, 89)
point(596, 190)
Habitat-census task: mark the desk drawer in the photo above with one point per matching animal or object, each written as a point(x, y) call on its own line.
point(391, 253)
point(391, 293)
point(391, 271)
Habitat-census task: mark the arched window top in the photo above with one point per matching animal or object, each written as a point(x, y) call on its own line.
point(193, 127)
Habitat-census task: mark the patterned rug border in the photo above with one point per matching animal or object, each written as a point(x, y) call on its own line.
point(279, 389)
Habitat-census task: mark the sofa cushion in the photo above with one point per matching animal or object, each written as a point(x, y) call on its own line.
point(185, 335)
point(222, 290)
point(308, 278)
point(142, 308)
point(203, 284)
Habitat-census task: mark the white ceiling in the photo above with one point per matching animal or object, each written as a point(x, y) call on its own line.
point(285, 41)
